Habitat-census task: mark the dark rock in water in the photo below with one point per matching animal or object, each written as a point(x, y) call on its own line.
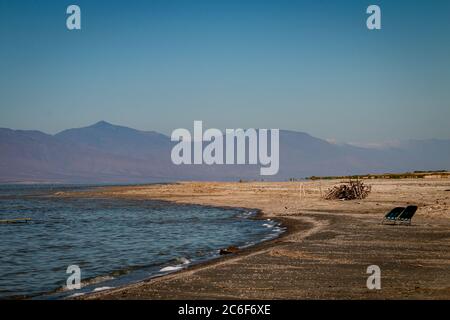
point(229, 250)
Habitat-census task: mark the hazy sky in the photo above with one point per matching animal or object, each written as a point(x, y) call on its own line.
point(310, 66)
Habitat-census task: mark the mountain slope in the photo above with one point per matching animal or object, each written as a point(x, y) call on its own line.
point(106, 153)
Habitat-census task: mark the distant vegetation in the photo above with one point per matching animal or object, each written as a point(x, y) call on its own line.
point(406, 175)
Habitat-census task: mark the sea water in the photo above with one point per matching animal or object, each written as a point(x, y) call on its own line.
point(113, 241)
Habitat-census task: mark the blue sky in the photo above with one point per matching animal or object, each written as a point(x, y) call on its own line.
point(159, 65)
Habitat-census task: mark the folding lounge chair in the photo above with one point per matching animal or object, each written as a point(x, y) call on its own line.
point(406, 216)
point(392, 215)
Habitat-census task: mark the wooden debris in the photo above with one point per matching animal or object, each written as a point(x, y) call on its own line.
point(229, 250)
point(11, 221)
point(352, 190)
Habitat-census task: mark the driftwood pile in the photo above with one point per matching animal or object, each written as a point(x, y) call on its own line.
point(352, 190)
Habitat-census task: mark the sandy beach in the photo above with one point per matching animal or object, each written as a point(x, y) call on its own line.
point(327, 247)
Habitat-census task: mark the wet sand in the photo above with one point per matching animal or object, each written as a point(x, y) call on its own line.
point(326, 250)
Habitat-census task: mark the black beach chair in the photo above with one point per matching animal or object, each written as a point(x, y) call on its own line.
point(392, 215)
point(406, 216)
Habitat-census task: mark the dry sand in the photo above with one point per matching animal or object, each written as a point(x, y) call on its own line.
point(326, 251)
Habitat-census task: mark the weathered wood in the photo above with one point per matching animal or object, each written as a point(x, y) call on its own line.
point(348, 191)
point(19, 220)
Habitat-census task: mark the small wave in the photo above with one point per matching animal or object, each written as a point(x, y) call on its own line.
point(89, 282)
point(101, 289)
point(96, 280)
point(171, 268)
point(183, 261)
point(247, 214)
point(79, 294)
point(247, 245)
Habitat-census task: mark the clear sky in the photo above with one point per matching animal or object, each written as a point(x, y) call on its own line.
point(310, 66)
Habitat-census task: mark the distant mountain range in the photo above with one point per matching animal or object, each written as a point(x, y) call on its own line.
point(106, 153)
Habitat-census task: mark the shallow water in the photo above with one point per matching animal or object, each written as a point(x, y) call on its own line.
point(113, 241)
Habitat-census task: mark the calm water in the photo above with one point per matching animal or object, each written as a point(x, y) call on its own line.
point(114, 242)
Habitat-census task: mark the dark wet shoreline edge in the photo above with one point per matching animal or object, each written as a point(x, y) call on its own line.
point(258, 214)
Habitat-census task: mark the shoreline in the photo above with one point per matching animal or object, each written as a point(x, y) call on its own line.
point(258, 247)
point(243, 251)
point(255, 214)
point(324, 252)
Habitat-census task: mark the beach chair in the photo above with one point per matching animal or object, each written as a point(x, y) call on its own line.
point(392, 215)
point(406, 216)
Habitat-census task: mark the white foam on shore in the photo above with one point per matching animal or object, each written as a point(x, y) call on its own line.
point(101, 289)
point(76, 295)
point(183, 261)
point(171, 268)
point(247, 245)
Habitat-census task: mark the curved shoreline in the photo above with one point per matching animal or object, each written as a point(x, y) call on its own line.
point(262, 235)
point(256, 248)
point(90, 284)
point(325, 252)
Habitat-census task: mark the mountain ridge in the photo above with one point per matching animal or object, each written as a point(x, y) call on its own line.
point(109, 153)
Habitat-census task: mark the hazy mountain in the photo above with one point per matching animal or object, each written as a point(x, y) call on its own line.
point(106, 153)
point(117, 140)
